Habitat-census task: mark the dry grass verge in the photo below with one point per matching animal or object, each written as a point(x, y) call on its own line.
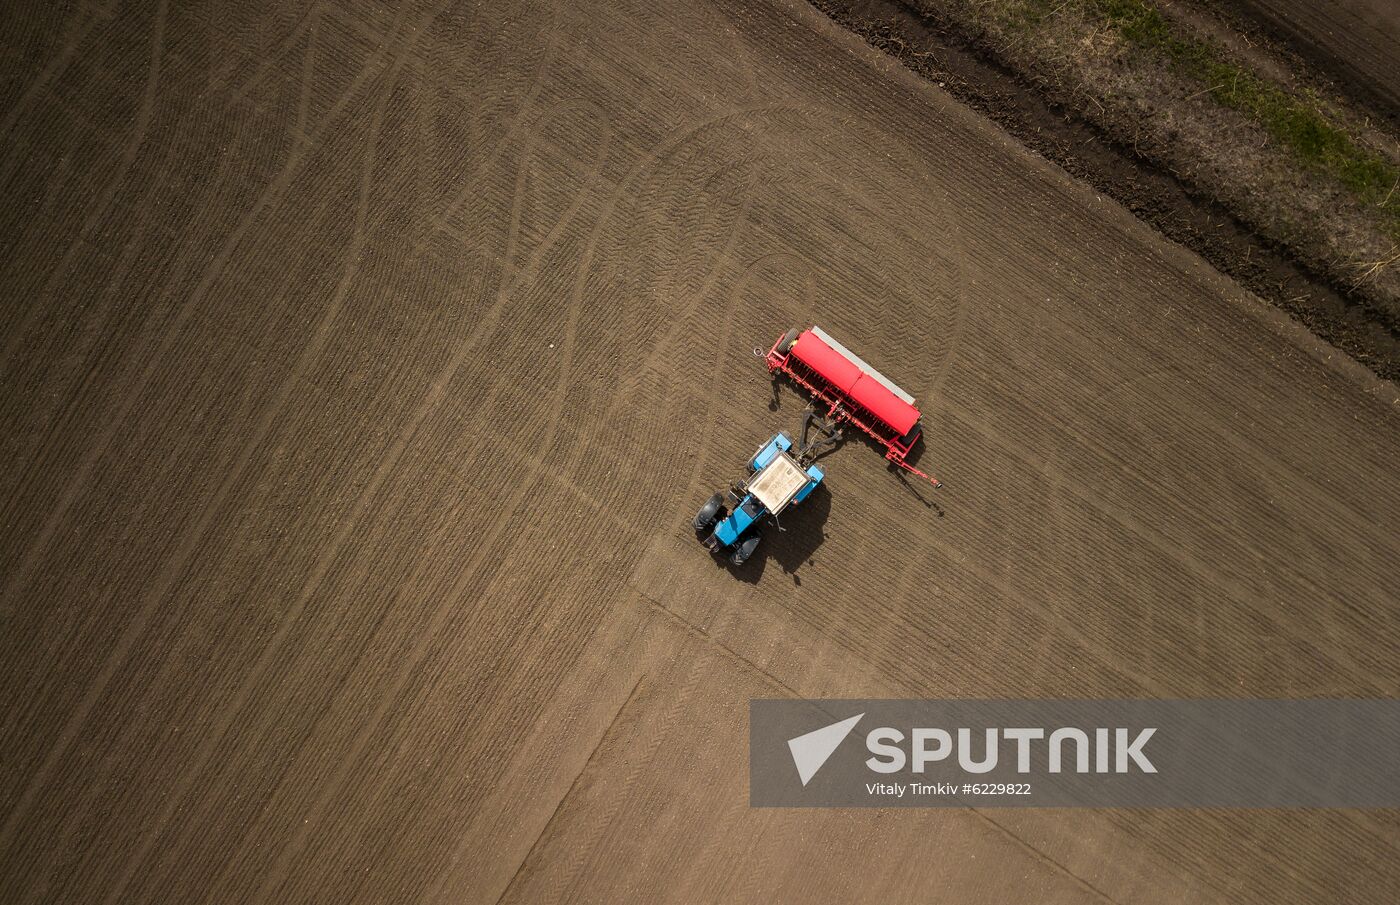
point(1305, 170)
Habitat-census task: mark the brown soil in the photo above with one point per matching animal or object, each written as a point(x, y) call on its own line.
point(944, 52)
point(362, 367)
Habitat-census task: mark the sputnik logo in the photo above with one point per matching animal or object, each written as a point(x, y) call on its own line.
point(810, 751)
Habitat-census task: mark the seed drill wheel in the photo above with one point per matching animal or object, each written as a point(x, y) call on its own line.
point(790, 337)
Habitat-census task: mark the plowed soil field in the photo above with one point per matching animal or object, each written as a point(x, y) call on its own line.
point(363, 365)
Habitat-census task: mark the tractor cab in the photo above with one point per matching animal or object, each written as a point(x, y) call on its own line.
point(729, 521)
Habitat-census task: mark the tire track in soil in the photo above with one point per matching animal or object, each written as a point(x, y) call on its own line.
point(484, 328)
point(39, 455)
point(278, 874)
point(311, 352)
point(1217, 486)
point(675, 325)
point(1220, 487)
point(108, 347)
point(441, 222)
point(1286, 474)
point(181, 261)
point(1227, 489)
point(907, 316)
point(305, 26)
point(369, 838)
point(533, 467)
point(697, 298)
point(484, 546)
point(1135, 527)
point(175, 565)
point(902, 330)
point(97, 451)
point(272, 193)
point(144, 113)
point(496, 815)
point(1043, 858)
point(55, 68)
point(847, 615)
point(678, 323)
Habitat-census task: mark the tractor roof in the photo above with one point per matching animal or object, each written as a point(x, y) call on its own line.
point(778, 483)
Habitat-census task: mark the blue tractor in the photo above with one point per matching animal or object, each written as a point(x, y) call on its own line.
point(730, 522)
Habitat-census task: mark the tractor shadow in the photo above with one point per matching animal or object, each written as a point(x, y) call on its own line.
point(803, 529)
point(920, 488)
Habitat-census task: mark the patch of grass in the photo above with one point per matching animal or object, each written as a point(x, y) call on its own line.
point(1139, 22)
point(1296, 121)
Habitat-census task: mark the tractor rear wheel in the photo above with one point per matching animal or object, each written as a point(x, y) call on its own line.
point(709, 515)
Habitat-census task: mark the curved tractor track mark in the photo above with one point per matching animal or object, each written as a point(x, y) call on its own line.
point(112, 326)
point(484, 547)
point(701, 453)
point(673, 144)
point(79, 482)
point(175, 567)
point(707, 420)
point(469, 571)
point(676, 324)
point(866, 191)
point(53, 70)
point(302, 123)
point(103, 204)
point(485, 327)
point(304, 27)
point(104, 201)
point(1226, 488)
point(310, 354)
point(441, 222)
